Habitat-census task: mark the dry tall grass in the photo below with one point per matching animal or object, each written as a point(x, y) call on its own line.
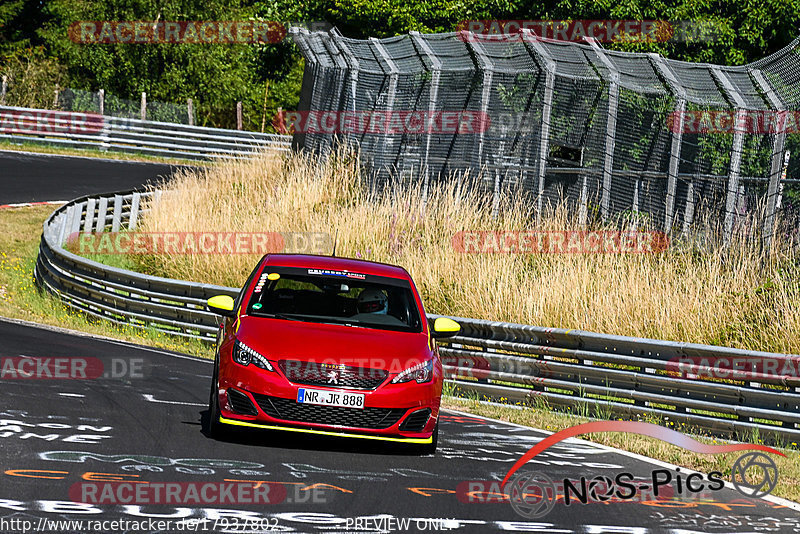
point(736, 298)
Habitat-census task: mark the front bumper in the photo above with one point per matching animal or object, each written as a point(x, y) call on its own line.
point(386, 415)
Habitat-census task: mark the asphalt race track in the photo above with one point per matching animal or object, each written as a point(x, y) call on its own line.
point(145, 425)
point(28, 177)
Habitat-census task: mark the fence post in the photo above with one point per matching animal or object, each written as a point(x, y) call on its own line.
point(688, 216)
point(239, 115)
point(547, 109)
point(486, 88)
point(190, 111)
point(101, 99)
point(736, 150)
point(143, 107)
point(351, 63)
point(394, 74)
point(611, 125)
point(436, 72)
point(3, 90)
point(55, 98)
point(677, 136)
point(777, 160)
point(264, 108)
point(311, 76)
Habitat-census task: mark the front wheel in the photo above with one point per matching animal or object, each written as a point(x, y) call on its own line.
point(430, 448)
point(214, 426)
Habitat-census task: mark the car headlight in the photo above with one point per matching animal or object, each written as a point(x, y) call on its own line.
point(244, 355)
point(422, 372)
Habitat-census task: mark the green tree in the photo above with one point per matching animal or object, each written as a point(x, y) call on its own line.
point(214, 76)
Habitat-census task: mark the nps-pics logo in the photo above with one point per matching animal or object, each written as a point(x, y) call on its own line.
point(534, 494)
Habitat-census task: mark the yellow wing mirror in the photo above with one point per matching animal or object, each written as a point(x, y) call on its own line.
point(444, 327)
point(221, 305)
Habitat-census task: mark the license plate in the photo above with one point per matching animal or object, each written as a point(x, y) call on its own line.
point(330, 398)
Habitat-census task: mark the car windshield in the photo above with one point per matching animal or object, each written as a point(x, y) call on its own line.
point(340, 297)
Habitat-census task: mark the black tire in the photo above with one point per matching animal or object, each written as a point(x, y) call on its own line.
point(214, 426)
point(430, 448)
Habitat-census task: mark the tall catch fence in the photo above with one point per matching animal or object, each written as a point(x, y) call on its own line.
point(631, 136)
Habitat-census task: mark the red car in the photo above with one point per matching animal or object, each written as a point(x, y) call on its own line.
point(328, 345)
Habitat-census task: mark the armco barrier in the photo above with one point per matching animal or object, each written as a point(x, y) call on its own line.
point(594, 374)
point(99, 132)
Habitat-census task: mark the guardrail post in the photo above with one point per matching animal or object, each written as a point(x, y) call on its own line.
point(736, 150)
point(611, 124)
point(529, 37)
point(134, 211)
point(89, 219)
point(116, 220)
point(778, 160)
point(436, 72)
point(677, 136)
point(143, 107)
point(66, 220)
point(75, 222)
point(102, 210)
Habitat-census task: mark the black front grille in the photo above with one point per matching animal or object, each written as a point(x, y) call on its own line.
point(335, 376)
point(289, 410)
point(416, 421)
point(240, 403)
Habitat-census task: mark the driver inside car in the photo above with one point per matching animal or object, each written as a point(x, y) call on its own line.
point(373, 301)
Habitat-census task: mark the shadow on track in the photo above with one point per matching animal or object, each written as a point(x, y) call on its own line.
point(255, 437)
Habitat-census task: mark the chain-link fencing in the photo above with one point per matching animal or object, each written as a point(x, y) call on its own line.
point(80, 100)
point(632, 136)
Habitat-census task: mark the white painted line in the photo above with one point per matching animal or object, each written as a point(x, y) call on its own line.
point(150, 398)
point(76, 395)
point(770, 498)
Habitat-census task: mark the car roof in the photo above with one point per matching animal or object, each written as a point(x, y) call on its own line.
point(313, 261)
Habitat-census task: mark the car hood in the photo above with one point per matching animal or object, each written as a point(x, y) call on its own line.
point(279, 339)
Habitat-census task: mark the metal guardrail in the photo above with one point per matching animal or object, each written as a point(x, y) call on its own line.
point(121, 296)
point(100, 132)
point(588, 373)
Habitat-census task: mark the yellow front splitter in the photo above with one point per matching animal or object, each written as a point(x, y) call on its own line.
point(420, 441)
